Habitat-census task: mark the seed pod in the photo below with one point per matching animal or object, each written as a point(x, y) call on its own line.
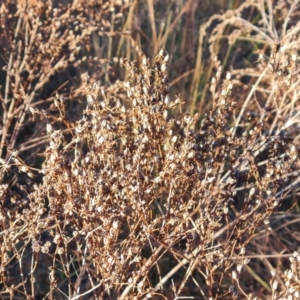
point(167, 100)
point(144, 60)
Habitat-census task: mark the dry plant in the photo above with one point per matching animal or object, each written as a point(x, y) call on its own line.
point(139, 202)
point(272, 40)
point(44, 47)
point(291, 280)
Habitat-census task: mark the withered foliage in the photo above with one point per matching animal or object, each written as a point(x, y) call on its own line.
point(134, 182)
point(138, 194)
point(45, 46)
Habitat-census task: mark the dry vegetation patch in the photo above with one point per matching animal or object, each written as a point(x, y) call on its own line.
point(136, 198)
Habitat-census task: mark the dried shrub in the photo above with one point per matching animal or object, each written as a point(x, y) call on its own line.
point(45, 47)
point(137, 195)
